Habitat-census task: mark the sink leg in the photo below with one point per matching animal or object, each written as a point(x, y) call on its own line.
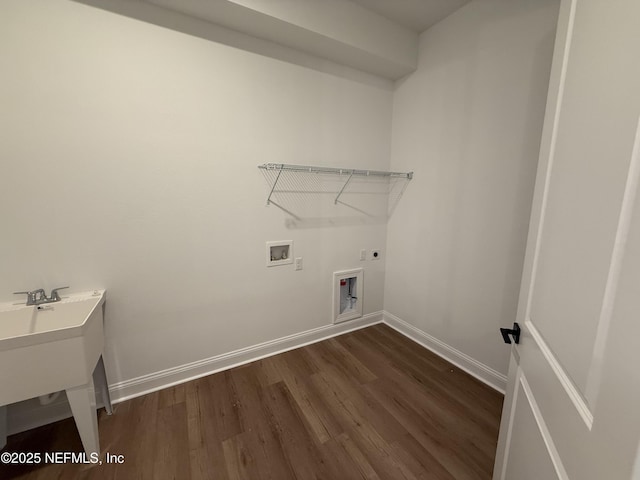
point(100, 378)
point(3, 426)
point(83, 406)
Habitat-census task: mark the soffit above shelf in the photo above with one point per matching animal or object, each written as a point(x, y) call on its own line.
point(417, 15)
point(338, 30)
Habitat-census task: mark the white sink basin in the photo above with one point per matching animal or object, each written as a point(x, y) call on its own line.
point(21, 325)
point(53, 347)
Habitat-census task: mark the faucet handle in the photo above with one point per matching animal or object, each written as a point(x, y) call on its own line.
point(54, 294)
point(31, 296)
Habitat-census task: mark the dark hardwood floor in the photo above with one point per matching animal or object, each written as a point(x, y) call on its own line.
point(370, 404)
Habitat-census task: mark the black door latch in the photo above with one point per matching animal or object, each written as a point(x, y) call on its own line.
point(515, 331)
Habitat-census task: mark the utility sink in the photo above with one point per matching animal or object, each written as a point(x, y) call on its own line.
point(56, 346)
point(22, 325)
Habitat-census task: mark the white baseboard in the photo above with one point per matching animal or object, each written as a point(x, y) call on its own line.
point(482, 372)
point(30, 414)
point(173, 376)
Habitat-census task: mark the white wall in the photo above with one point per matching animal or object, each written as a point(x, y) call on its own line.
point(128, 157)
point(128, 162)
point(469, 121)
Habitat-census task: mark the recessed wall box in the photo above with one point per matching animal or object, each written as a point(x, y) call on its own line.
point(347, 295)
point(279, 253)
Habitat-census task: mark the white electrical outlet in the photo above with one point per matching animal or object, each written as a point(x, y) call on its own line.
point(363, 255)
point(298, 263)
point(375, 254)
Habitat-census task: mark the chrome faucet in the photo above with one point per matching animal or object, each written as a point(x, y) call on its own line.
point(39, 296)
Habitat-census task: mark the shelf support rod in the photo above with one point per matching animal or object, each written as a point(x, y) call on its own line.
point(274, 185)
point(338, 171)
point(335, 202)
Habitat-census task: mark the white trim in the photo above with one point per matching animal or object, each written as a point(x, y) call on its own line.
point(547, 163)
point(544, 431)
point(473, 367)
point(153, 382)
point(572, 391)
point(636, 465)
point(508, 416)
point(27, 416)
point(615, 270)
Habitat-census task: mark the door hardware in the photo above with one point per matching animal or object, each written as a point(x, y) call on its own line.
point(515, 332)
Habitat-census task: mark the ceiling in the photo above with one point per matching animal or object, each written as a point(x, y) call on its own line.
point(416, 15)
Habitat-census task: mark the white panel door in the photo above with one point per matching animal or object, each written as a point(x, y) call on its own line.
point(572, 408)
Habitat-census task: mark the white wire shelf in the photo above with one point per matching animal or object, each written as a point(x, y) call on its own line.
point(348, 172)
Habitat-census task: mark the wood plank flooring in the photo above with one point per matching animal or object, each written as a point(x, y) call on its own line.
point(370, 404)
